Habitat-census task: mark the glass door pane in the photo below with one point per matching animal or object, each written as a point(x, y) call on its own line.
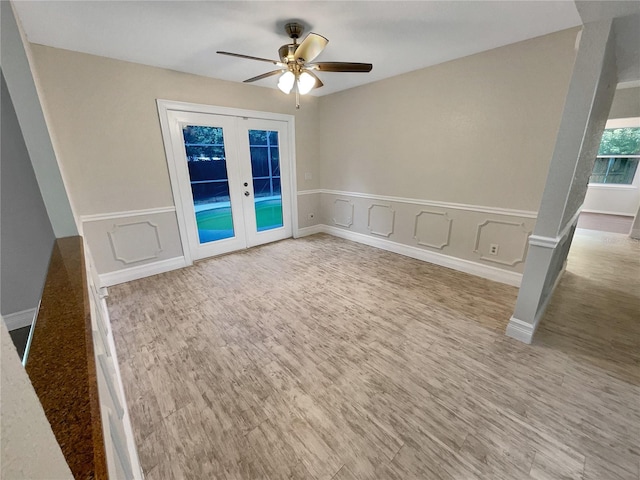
point(207, 164)
point(265, 172)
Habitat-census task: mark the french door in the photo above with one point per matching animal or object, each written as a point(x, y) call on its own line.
point(231, 175)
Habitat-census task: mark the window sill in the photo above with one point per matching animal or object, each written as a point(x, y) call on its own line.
point(611, 186)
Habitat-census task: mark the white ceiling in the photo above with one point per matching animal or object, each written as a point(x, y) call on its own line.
point(396, 36)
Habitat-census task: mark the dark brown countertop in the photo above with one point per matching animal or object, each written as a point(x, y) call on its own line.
point(61, 362)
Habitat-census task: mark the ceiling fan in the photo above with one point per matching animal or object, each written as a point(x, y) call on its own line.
point(296, 67)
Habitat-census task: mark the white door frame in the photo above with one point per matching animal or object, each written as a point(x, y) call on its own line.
point(165, 106)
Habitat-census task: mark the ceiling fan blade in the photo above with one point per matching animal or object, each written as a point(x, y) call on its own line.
point(341, 67)
point(264, 75)
point(310, 47)
point(318, 81)
point(249, 57)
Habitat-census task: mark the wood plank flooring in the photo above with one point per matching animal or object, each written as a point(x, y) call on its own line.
point(320, 358)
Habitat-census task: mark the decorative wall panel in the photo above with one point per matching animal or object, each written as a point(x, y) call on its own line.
point(343, 212)
point(432, 229)
point(135, 242)
point(381, 219)
point(491, 233)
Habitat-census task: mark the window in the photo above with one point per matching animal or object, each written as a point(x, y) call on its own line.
point(618, 157)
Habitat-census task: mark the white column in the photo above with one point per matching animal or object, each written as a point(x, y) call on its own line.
point(585, 114)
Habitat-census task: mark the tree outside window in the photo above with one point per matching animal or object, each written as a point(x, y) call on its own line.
point(618, 157)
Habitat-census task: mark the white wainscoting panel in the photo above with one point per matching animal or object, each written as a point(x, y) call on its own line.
point(432, 229)
point(343, 212)
point(130, 245)
point(308, 208)
point(454, 235)
point(381, 219)
point(135, 242)
point(491, 232)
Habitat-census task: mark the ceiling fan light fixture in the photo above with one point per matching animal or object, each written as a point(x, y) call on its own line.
point(295, 67)
point(286, 81)
point(306, 82)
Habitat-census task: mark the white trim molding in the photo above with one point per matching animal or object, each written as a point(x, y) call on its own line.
point(310, 192)
point(430, 203)
point(462, 265)
point(544, 242)
point(114, 244)
point(129, 213)
point(523, 331)
point(306, 231)
point(629, 122)
point(445, 217)
point(511, 263)
point(23, 318)
point(629, 84)
point(348, 221)
point(611, 186)
point(393, 219)
point(520, 330)
point(608, 212)
point(134, 273)
point(552, 242)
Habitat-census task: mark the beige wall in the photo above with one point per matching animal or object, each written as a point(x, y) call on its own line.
point(626, 103)
point(479, 130)
point(105, 123)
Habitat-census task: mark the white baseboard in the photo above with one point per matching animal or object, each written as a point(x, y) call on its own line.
point(466, 266)
point(520, 330)
point(306, 231)
point(523, 331)
point(20, 319)
point(141, 271)
point(607, 212)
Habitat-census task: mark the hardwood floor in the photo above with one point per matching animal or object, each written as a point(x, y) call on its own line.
point(324, 359)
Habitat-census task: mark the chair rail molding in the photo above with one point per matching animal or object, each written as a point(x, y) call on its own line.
point(553, 242)
point(428, 203)
point(310, 192)
point(129, 213)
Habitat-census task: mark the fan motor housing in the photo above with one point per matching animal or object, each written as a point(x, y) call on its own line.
point(287, 51)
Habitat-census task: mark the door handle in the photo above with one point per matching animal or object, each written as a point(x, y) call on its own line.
point(246, 194)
